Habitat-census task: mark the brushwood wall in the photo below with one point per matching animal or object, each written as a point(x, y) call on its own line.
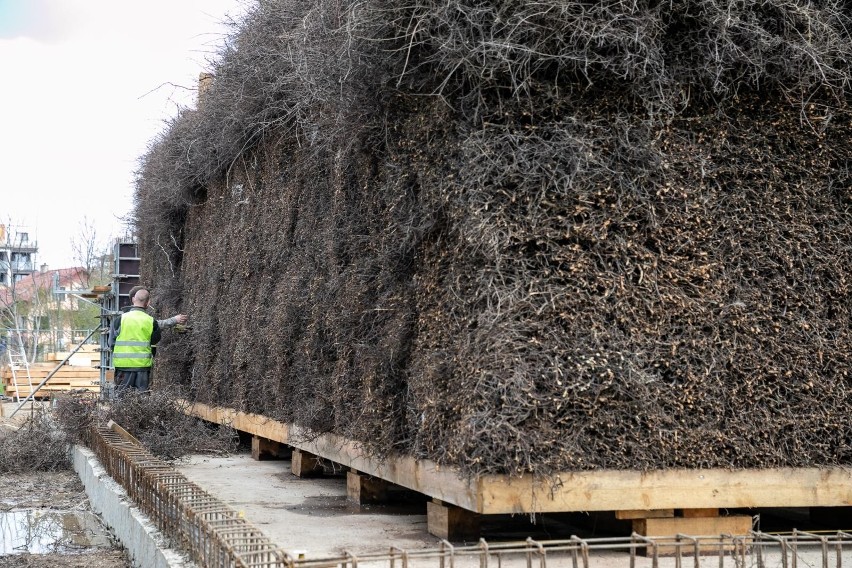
point(519, 237)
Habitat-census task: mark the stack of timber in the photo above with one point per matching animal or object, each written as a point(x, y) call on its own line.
point(86, 356)
point(68, 377)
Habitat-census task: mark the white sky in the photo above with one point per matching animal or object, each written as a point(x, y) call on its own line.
point(84, 87)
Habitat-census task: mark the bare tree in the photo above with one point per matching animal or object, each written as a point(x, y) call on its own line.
point(91, 250)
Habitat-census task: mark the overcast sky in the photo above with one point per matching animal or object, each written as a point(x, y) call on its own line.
point(84, 87)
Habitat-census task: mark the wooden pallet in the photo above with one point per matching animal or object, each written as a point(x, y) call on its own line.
point(657, 503)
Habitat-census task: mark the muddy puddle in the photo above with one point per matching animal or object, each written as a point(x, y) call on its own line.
point(42, 531)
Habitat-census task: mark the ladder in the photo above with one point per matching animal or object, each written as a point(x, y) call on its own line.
point(18, 364)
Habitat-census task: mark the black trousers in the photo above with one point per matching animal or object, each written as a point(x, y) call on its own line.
point(132, 380)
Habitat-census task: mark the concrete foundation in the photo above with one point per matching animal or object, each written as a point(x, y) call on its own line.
point(145, 545)
point(313, 518)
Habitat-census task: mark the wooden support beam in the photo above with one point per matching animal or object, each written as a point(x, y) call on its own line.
point(365, 489)
point(679, 489)
point(699, 513)
point(642, 514)
point(263, 449)
point(305, 464)
point(452, 523)
point(735, 525)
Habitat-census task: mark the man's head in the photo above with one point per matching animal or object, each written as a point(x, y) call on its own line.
point(140, 297)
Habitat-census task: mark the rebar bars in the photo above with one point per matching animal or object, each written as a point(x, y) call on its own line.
point(219, 537)
point(215, 535)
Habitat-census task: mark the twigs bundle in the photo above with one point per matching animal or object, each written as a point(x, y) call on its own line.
point(519, 236)
point(35, 444)
point(157, 419)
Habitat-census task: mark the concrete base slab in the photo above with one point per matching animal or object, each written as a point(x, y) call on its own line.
point(311, 518)
point(145, 545)
point(307, 515)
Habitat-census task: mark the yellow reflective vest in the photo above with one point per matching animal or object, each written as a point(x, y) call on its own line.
point(133, 344)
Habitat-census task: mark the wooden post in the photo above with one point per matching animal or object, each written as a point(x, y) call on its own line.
point(364, 489)
point(452, 523)
point(263, 449)
point(305, 464)
point(735, 525)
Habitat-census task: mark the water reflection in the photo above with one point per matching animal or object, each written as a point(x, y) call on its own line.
point(45, 531)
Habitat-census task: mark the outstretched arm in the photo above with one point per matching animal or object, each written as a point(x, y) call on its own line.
point(173, 321)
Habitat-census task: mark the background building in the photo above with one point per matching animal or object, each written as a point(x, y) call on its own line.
point(47, 321)
point(17, 254)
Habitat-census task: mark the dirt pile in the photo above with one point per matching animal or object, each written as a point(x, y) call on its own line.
point(519, 236)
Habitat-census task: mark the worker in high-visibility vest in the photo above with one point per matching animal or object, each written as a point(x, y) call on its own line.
point(132, 337)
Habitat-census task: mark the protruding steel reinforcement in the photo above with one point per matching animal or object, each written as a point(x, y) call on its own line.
point(218, 537)
point(215, 535)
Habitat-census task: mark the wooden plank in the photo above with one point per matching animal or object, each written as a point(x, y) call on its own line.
point(641, 514)
point(45, 392)
point(42, 394)
point(50, 386)
point(63, 372)
point(61, 383)
point(669, 489)
point(55, 358)
point(125, 435)
point(50, 365)
point(699, 513)
point(58, 375)
point(242, 421)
